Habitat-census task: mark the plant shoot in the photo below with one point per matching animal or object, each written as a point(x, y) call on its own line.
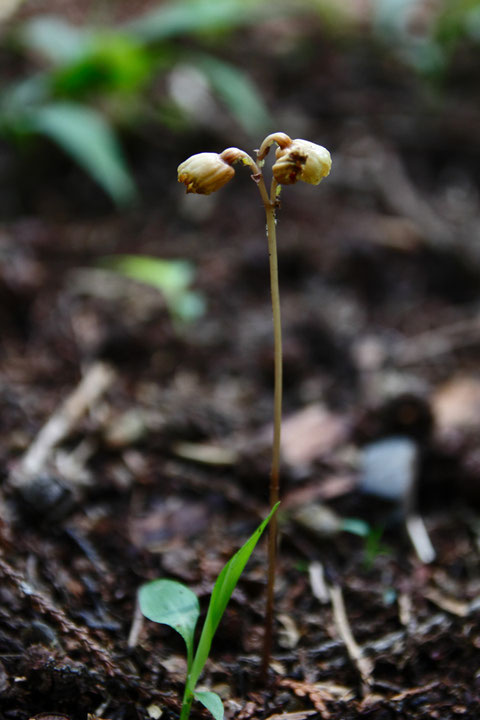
point(205, 173)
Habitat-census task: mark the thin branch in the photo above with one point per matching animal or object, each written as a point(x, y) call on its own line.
point(363, 664)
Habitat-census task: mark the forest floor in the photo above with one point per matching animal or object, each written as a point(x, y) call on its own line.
point(157, 456)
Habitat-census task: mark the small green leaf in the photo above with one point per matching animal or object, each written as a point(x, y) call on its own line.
point(170, 603)
point(87, 137)
point(222, 591)
point(211, 701)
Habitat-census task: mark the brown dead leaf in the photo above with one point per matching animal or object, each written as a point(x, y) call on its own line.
point(456, 404)
point(311, 433)
point(460, 608)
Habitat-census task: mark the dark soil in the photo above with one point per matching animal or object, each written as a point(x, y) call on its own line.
point(165, 474)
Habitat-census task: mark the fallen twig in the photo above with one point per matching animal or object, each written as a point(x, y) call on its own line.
point(96, 381)
point(355, 653)
point(42, 490)
point(417, 533)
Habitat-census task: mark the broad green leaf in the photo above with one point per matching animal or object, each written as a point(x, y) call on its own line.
point(170, 603)
point(193, 16)
point(212, 702)
point(238, 93)
point(222, 591)
point(87, 137)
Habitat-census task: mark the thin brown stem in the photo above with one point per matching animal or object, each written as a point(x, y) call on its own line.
point(269, 204)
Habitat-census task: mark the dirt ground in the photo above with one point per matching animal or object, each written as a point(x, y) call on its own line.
point(158, 463)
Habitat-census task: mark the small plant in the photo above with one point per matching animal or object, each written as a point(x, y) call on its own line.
point(207, 172)
point(170, 603)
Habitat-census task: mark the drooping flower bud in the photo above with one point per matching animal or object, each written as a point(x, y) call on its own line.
point(204, 173)
point(301, 160)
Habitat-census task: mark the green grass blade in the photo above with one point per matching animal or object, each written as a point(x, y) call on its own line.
point(170, 603)
point(222, 591)
point(212, 702)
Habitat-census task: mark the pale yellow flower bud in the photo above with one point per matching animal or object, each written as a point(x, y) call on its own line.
point(204, 173)
point(301, 160)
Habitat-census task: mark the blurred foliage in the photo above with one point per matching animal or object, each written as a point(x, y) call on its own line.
point(94, 79)
point(89, 81)
point(7, 8)
point(427, 36)
point(374, 546)
point(87, 137)
point(197, 16)
point(173, 278)
point(459, 20)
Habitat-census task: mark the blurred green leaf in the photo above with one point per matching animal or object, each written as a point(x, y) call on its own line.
point(237, 91)
point(391, 16)
point(86, 136)
point(194, 16)
point(374, 547)
point(172, 277)
point(169, 276)
point(392, 23)
point(189, 306)
point(114, 63)
point(55, 38)
point(88, 60)
point(458, 19)
point(22, 95)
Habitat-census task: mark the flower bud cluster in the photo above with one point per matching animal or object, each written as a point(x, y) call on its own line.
point(303, 160)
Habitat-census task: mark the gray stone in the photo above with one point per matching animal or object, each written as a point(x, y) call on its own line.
point(388, 468)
